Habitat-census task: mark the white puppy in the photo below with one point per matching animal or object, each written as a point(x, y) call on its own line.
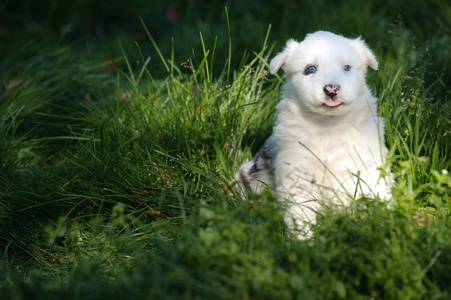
point(327, 144)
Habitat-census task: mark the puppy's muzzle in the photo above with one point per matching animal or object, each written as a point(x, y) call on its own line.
point(331, 90)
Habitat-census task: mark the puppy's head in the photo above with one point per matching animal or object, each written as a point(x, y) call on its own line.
point(326, 72)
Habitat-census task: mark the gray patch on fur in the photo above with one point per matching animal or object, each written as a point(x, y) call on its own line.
point(251, 175)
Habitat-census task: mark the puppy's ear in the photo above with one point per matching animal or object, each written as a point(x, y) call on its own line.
point(277, 62)
point(280, 59)
point(365, 52)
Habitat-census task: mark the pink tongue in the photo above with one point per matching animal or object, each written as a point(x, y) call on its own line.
point(332, 103)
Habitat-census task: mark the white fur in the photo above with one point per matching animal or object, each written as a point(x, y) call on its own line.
point(317, 150)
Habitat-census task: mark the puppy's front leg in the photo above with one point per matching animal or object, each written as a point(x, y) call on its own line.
point(301, 208)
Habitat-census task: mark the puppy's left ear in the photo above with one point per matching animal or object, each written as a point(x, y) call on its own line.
point(365, 52)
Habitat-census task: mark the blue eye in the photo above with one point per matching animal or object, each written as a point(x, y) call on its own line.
point(347, 68)
point(310, 70)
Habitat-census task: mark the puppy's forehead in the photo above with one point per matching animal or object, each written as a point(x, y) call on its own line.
point(327, 47)
point(330, 47)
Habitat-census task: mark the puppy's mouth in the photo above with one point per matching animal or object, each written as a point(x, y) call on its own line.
point(332, 103)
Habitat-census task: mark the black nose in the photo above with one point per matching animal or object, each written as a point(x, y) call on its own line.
point(331, 90)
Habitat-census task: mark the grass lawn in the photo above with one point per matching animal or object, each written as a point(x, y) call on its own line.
point(120, 135)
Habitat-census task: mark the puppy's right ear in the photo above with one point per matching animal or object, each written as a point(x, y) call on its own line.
point(280, 59)
point(277, 62)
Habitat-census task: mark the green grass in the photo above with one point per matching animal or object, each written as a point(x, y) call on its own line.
point(119, 184)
